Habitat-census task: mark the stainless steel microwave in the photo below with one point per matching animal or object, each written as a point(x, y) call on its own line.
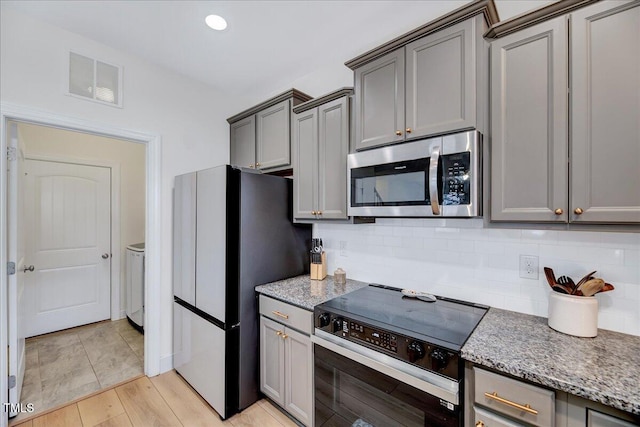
point(434, 177)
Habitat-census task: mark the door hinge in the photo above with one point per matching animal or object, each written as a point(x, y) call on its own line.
point(11, 268)
point(11, 154)
point(12, 381)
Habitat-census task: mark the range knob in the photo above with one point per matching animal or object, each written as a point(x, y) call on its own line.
point(324, 319)
point(415, 350)
point(439, 359)
point(337, 324)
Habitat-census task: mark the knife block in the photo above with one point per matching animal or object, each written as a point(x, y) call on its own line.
point(319, 271)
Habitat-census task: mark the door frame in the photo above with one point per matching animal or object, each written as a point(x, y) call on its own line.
point(153, 226)
point(116, 310)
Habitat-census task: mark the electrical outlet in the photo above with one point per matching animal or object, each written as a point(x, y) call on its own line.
point(529, 267)
point(343, 248)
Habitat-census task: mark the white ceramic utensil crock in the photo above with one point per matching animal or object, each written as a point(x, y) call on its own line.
point(573, 315)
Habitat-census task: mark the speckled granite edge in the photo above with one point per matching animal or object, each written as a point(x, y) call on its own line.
point(604, 369)
point(305, 293)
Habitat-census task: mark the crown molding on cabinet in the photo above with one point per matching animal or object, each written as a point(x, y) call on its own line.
point(528, 19)
point(344, 91)
point(297, 96)
point(486, 7)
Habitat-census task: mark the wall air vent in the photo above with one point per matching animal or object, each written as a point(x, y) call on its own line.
point(95, 80)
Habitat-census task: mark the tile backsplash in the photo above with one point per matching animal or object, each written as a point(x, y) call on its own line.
point(458, 258)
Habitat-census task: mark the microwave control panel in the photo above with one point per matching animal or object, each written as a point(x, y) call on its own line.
point(457, 182)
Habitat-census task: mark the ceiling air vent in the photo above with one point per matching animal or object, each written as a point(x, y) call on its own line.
point(95, 80)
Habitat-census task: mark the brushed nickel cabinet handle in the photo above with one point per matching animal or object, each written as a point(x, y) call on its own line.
point(578, 211)
point(277, 313)
point(525, 408)
point(558, 211)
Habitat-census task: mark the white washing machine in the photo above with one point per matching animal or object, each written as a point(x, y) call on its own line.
point(135, 285)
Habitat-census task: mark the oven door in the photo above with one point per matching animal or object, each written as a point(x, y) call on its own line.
point(356, 386)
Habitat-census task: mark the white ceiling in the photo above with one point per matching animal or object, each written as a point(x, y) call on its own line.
point(266, 41)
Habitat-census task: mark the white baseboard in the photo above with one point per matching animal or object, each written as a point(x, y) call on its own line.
point(166, 363)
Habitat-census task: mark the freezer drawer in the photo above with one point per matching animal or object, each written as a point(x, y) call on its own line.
point(199, 355)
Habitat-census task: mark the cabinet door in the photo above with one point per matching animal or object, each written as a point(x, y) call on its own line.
point(528, 124)
point(298, 376)
point(272, 360)
point(305, 169)
point(273, 140)
point(243, 142)
point(333, 123)
point(441, 84)
point(605, 102)
point(379, 101)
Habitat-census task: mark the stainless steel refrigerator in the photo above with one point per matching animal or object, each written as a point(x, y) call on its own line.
point(232, 231)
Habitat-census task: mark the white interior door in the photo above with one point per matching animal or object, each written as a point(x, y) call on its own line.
point(15, 292)
point(68, 209)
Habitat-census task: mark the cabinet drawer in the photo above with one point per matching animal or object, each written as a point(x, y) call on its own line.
point(506, 393)
point(482, 418)
point(287, 314)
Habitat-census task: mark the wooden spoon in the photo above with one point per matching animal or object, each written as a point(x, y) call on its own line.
point(606, 288)
point(585, 278)
point(591, 287)
point(551, 278)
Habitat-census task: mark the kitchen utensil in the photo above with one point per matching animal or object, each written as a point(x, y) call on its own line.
point(561, 289)
point(591, 287)
point(551, 278)
point(567, 282)
point(606, 288)
point(584, 279)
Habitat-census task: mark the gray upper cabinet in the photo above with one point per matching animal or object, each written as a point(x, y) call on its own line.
point(260, 137)
point(440, 84)
point(542, 170)
point(430, 81)
point(529, 124)
point(243, 142)
point(272, 136)
point(379, 101)
point(321, 146)
point(605, 102)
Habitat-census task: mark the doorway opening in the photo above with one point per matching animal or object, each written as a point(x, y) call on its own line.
point(151, 214)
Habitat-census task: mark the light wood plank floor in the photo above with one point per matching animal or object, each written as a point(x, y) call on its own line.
point(165, 400)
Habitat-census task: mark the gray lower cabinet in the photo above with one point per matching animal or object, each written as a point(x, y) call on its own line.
point(426, 87)
point(320, 147)
point(260, 137)
point(586, 413)
point(534, 175)
point(286, 358)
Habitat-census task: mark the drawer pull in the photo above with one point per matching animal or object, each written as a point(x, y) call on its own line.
point(278, 333)
point(479, 424)
point(525, 408)
point(277, 313)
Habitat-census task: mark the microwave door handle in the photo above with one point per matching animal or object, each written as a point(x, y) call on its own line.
point(433, 180)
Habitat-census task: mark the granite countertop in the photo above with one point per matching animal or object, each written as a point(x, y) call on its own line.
point(306, 293)
point(604, 369)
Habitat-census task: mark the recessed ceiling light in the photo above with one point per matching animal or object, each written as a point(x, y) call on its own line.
point(216, 22)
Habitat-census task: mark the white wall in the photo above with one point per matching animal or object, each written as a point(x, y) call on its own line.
point(189, 116)
point(130, 156)
point(460, 259)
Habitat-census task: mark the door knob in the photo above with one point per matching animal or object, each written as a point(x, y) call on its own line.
point(30, 268)
point(105, 256)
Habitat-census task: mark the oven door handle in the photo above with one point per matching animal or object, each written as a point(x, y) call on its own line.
point(428, 382)
point(433, 180)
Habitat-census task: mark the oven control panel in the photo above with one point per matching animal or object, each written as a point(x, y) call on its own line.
point(420, 353)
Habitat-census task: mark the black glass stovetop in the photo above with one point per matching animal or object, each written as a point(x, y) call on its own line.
point(446, 322)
